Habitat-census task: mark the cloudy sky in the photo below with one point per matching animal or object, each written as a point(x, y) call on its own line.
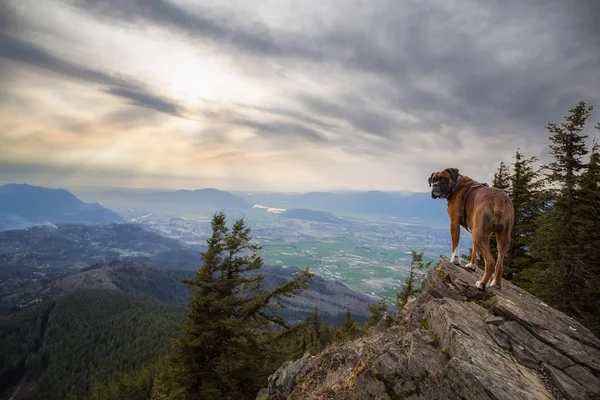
point(285, 95)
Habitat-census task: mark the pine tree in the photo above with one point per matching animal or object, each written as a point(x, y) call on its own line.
point(376, 312)
point(589, 206)
point(220, 348)
point(347, 328)
point(313, 332)
point(525, 185)
point(410, 287)
point(557, 240)
point(501, 177)
point(588, 220)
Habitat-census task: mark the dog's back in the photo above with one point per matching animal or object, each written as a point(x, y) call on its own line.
point(496, 208)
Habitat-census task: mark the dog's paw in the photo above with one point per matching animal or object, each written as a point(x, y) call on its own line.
point(480, 285)
point(496, 284)
point(471, 266)
point(455, 260)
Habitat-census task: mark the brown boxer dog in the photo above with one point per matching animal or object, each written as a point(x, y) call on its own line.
point(481, 210)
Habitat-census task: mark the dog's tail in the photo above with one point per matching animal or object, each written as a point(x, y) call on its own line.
point(498, 210)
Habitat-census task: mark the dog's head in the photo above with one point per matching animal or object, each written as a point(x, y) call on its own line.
point(442, 182)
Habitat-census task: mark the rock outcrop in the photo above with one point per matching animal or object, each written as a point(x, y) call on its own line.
point(454, 342)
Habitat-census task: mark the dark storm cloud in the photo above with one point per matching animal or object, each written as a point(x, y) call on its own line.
point(483, 91)
point(162, 12)
point(291, 114)
point(283, 130)
point(15, 49)
point(360, 117)
point(8, 19)
point(457, 44)
point(143, 99)
point(21, 51)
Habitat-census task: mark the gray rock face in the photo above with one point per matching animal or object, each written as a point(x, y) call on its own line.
point(454, 342)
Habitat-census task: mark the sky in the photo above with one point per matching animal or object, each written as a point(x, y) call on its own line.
point(284, 95)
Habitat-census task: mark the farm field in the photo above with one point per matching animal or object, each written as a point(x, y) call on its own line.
point(366, 267)
point(371, 255)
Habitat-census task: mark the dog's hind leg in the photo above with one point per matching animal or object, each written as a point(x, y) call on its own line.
point(503, 240)
point(475, 256)
point(503, 224)
point(481, 242)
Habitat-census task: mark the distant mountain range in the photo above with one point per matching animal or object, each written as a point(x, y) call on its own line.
point(413, 207)
point(23, 205)
point(203, 201)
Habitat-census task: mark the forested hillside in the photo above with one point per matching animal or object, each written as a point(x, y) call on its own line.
point(59, 348)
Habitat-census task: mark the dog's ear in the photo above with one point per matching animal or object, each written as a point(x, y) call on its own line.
point(431, 176)
point(453, 173)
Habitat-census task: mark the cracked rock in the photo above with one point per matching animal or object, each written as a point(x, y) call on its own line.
point(455, 342)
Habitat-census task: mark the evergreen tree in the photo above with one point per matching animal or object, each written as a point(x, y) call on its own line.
point(314, 333)
point(587, 216)
point(525, 185)
point(411, 286)
point(376, 312)
point(220, 350)
point(557, 241)
point(589, 206)
point(501, 177)
point(347, 328)
point(314, 323)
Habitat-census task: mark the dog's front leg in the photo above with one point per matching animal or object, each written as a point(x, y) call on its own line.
point(455, 233)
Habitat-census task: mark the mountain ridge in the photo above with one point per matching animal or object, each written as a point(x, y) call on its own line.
point(205, 200)
point(410, 206)
point(332, 297)
point(23, 205)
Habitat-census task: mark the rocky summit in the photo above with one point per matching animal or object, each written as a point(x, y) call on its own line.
point(454, 341)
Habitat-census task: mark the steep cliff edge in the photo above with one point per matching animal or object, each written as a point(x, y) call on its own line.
point(454, 342)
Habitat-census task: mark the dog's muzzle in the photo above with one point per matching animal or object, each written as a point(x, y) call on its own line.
point(436, 191)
